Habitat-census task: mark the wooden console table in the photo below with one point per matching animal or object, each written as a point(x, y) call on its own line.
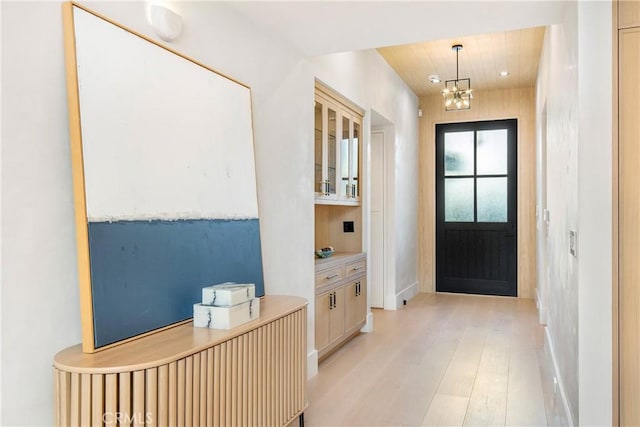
point(255, 374)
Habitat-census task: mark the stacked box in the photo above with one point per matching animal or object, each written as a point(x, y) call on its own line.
point(227, 294)
point(226, 306)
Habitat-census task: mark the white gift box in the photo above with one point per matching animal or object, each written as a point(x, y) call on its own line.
point(228, 293)
point(209, 316)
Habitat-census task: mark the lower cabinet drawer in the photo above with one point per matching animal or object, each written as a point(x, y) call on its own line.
point(330, 276)
point(354, 268)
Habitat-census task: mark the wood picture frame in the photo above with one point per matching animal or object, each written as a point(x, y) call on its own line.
point(164, 183)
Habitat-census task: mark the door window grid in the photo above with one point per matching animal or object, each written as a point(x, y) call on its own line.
point(476, 176)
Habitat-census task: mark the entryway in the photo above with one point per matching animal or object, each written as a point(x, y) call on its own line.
point(476, 207)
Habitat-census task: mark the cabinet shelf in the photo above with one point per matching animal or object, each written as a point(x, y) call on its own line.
point(334, 202)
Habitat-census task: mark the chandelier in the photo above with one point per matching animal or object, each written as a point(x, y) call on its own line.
point(457, 93)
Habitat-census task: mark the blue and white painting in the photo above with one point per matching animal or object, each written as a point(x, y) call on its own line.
point(169, 179)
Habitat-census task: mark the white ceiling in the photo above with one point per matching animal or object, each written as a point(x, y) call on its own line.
point(322, 27)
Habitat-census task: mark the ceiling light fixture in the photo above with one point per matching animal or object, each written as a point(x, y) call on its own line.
point(434, 78)
point(457, 93)
point(503, 73)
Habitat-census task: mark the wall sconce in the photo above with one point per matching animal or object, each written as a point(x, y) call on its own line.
point(166, 23)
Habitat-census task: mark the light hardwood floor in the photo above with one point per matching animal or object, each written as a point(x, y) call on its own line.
point(443, 360)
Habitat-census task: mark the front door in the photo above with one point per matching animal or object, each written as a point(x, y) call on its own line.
point(476, 207)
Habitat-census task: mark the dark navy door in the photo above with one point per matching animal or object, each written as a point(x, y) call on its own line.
point(476, 207)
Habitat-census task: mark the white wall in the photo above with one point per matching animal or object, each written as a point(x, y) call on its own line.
point(575, 82)
point(1, 258)
point(40, 301)
point(558, 87)
point(39, 258)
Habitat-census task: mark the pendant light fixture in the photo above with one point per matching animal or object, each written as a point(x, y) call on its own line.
point(457, 93)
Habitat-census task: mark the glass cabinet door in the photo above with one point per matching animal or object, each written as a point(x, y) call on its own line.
point(318, 177)
point(332, 161)
point(345, 143)
point(325, 133)
point(354, 161)
point(350, 157)
point(337, 152)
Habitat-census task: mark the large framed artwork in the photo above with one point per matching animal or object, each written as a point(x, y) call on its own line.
point(164, 180)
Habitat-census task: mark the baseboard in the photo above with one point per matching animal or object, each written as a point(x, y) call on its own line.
point(556, 373)
point(542, 310)
point(312, 364)
point(368, 326)
point(406, 294)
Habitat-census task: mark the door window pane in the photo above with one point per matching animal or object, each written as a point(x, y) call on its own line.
point(458, 199)
point(458, 153)
point(492, 199)
point(492, 152)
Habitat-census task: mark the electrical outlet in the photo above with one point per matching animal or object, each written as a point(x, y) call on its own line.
point(347, 226)
point(573, 243)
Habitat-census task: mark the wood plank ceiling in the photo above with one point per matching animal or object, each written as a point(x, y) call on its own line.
point(481, 60)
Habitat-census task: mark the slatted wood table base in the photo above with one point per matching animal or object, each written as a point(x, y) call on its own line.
point(249, 376)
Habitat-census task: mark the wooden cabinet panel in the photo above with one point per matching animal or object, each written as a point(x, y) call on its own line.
point(330, 311)
point(628, 13)
point(336, 316)
point(351, 306)
point(362, 301)
point(323, 307)
point(355, 305)
point(629, 225)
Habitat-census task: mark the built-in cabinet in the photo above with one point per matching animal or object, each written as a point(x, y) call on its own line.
point(341, 284)
point(341, 300)
point(337, 148)
point(627, 303)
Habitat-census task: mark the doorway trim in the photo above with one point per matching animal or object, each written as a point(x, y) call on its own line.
point(381, 125)
point(492, 267)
